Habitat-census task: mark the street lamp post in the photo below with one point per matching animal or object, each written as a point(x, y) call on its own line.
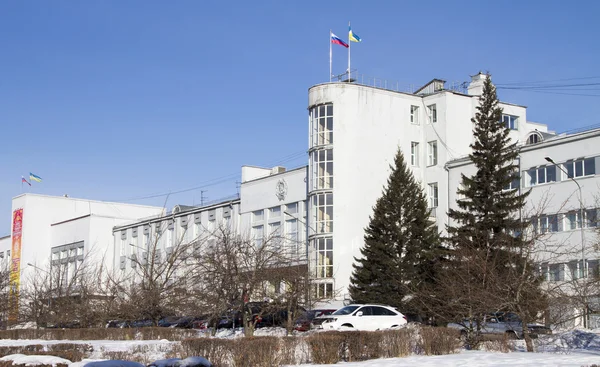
point(583, 264)
point(308, 293)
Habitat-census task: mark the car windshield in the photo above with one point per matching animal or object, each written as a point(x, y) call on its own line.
point(346, 310)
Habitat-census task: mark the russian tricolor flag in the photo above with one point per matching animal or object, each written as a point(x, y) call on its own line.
point(338, 41)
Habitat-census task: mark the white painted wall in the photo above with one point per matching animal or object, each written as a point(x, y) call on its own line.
point(556, 197)
point(40, 212)
point(369, 126)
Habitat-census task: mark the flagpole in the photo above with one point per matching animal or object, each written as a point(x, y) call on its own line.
point(330, 56)
point(349, 74)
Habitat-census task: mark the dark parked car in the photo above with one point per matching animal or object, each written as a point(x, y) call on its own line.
point(141, 323)
point(168, 321)
point(303, 322)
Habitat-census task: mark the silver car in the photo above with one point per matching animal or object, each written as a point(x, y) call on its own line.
point(502, 323)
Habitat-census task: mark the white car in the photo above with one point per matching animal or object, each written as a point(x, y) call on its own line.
point(362, 317)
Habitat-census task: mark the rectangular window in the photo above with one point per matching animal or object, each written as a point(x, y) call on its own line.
point(322, 169)
point(581, 167)
point(432, 153)
point(170, 234)
point(541, 175)
point(556, 272)
point(292, 208)
point(414, 154)
point(324, 257)
point(432, 109)
point(324, 290)
point(291, 230)
point(433, 195)
point(258, 215)
point(573, 220)
point(257, 235)
point(323, 212)
point(548, 223)
point(275, 212)
point(511, 122)
point(321, 122)
point(514, 183)
point(275, 229)
point(414, 115)
point(591, 218)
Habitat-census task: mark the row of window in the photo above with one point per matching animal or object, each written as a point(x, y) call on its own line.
point(274, 212)
point(570, 271)
point(565, 221)
point(431, 114)
point(432, 153)
point(545, 174)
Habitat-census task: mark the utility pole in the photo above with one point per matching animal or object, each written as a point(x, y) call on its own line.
point(202, 197)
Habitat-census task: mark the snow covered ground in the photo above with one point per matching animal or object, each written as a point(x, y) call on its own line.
point(571, 348)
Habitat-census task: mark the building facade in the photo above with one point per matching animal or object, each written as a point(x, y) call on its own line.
point(47, 230)
point(355, 132)
point(323, 208)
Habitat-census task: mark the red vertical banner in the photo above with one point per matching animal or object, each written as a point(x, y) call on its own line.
point(15, 266)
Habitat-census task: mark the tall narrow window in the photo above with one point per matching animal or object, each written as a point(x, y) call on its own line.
point(433, 195)
point(414, 154)
point(257, 235)
point(414, 115)
point(432, 153)
point(323, 207)
point(511, 122)
point(321, 121)
point(322, 166)
point(324, 257)
point(432, 111)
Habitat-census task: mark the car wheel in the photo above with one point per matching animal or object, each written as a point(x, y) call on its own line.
point(348, 325)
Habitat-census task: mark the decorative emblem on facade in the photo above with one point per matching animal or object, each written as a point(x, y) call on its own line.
point(281, 189)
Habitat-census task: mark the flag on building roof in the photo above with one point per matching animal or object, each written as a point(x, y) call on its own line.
point(24, 180)
point(353, 36)
point(338, 41)
point(35, 178)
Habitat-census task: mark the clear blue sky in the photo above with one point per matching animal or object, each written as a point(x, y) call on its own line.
point(113, 100)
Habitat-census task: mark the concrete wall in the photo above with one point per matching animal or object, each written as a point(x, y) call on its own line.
point(552, 198)
point(370, 124)
point(52, 221)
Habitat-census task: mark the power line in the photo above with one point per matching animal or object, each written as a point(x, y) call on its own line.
point(549, 81)
point(214, 181)
point(551, 86)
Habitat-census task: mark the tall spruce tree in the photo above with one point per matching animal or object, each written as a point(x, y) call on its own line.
point(401, 244)
point(490, 250)
point(488, 211)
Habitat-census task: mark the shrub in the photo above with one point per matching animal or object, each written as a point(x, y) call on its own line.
point(217, 351)
point(148, 333)
point(362, 345)
point(292, 350)
point(326, 347)
point(262, 351)
point(439, 340)
point(397, 343)
point(21, 349)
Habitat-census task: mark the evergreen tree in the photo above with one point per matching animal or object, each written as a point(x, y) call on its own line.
point(401, 244)
point(488, 211)
point(490, 250)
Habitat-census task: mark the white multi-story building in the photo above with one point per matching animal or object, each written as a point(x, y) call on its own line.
point(271, 203)
point(63, 229)
point(355, 132)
